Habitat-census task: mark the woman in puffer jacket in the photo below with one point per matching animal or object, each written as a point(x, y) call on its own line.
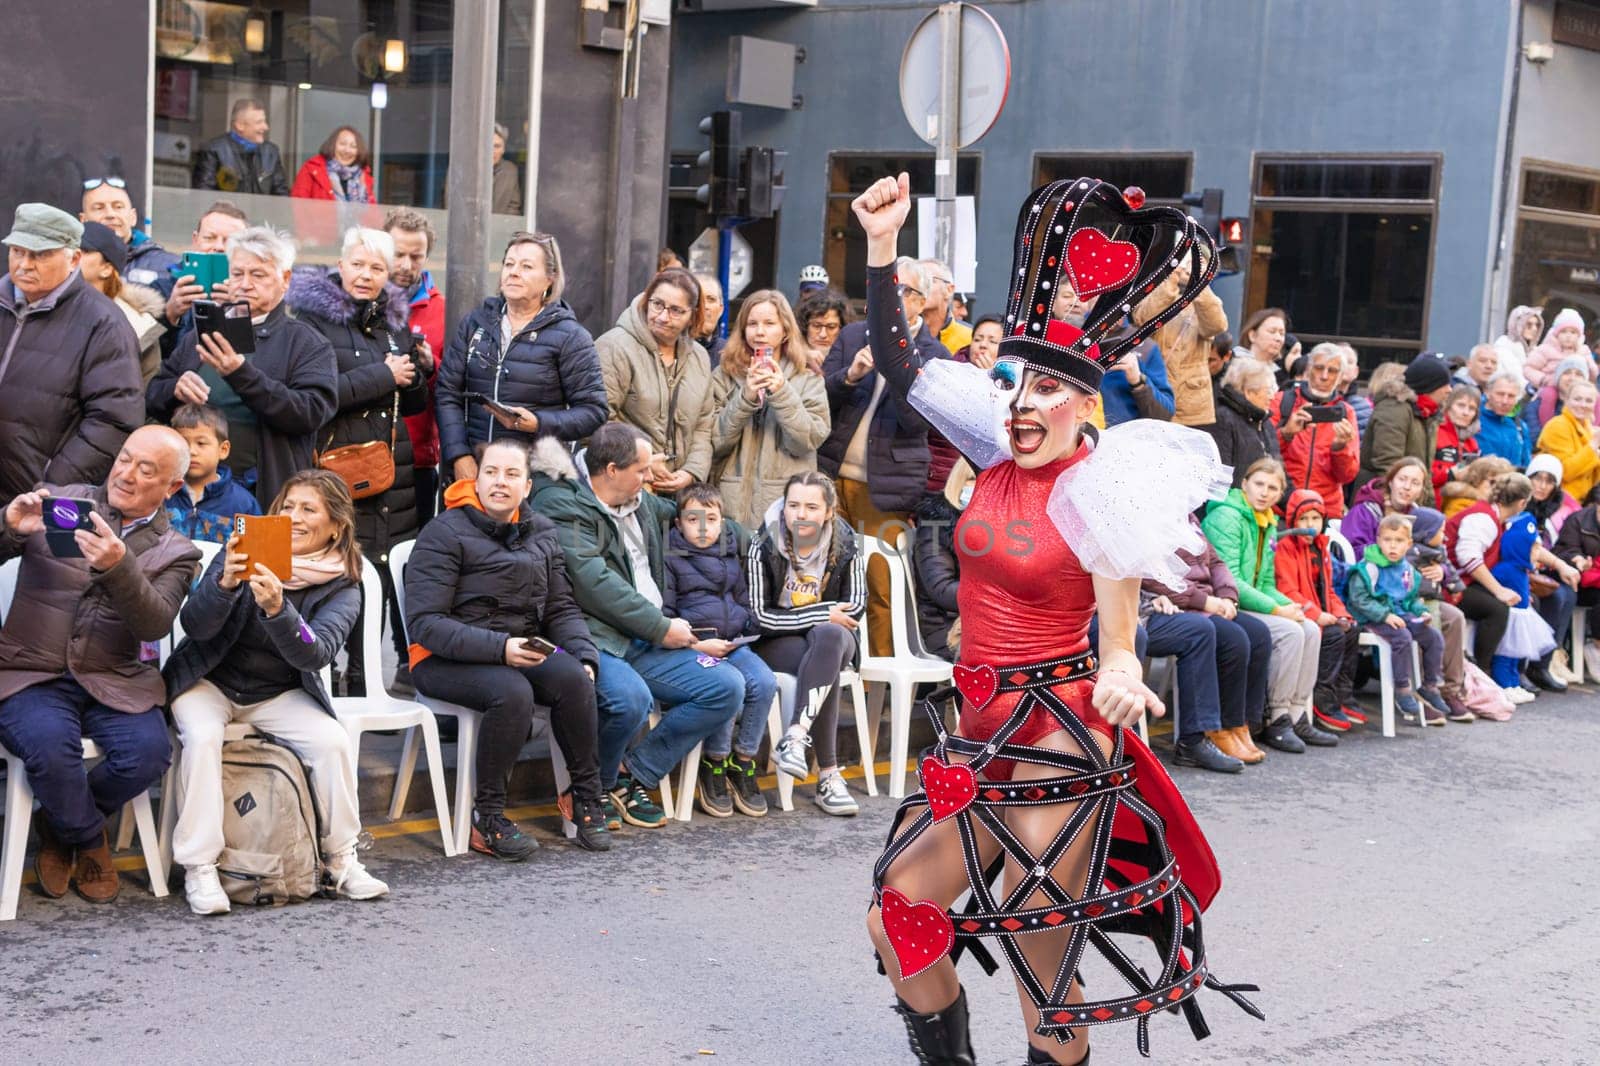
point(1523, 326)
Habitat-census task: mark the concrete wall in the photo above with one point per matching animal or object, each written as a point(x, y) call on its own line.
point(54, 130)
point(1222, 80)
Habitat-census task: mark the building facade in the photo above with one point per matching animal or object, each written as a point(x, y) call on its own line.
point(1405, 172)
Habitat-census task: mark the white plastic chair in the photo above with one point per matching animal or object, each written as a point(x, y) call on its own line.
point(1580, 637)
point(467, 721)
point(783, 712)
point(680, 807)
point(902, 671)
point(1386, 675)
point(1337, 541)
point(19, 802)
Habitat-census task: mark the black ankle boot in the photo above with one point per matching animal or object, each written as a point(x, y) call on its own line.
point(940, 1038)
point(1040, 1058)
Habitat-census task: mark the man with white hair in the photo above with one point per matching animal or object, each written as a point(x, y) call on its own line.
point(278, 397)
point(939, 311)
point(1483, 362)
point(1501, 430)
point(78, 653)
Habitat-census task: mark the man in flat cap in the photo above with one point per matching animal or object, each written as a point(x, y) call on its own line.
point(69, 361)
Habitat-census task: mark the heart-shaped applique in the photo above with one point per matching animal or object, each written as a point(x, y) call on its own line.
point(951, 788)
point(920, 934)
point(977, 683)
point(1098, 263)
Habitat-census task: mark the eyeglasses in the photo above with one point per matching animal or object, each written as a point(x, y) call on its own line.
point(95, 183)
point(823, 327)
point(907, 290)
point(661, 307)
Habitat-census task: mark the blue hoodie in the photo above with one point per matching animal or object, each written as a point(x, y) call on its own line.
point(212, 518)
point(1505, 436)
point(1117, 395)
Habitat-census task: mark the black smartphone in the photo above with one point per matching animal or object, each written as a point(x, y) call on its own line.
point(491, 403)
point(232, 320)
point(1326, 412)
point(542, 646)
point(704, 632)
point(64, 516)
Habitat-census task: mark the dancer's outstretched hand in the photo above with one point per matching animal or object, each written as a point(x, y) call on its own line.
point(882, 209)
point(1123, 699)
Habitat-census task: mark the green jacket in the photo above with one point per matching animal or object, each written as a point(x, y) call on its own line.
point(1369, 603)
point(598, 563)
point(1247, 551)
point(1395, 431)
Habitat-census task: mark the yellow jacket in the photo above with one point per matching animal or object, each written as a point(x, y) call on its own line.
point(1573, 443)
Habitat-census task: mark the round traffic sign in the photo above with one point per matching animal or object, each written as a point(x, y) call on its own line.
point(985, 77)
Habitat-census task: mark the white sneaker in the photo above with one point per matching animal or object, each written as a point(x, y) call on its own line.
point(348, 878)
point(792, 756)
point(203, 889)
point(1518, 695)
point(1591, 659)
point(834, 798)
point(1561, 668)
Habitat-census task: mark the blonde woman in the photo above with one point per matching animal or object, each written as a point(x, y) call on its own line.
point(772, 409)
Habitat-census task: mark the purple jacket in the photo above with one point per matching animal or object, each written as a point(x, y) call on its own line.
point(1360, 524)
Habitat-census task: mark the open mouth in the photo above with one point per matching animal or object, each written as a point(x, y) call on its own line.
point(1026, 436)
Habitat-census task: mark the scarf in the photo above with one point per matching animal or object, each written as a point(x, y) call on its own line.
point(1427, 406)
point(348, 184)
point(1545, 509)
point(318, 569)
point(245, 145)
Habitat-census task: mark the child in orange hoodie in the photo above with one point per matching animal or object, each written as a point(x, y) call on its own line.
point(1305, 575)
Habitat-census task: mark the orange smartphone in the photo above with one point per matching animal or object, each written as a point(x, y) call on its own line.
point(264, 538)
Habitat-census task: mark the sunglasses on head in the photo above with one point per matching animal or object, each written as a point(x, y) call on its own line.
point(95, 183)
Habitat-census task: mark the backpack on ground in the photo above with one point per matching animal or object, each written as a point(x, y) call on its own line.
point(271, 828)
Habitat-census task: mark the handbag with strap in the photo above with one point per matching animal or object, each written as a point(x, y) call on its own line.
point(366, 469)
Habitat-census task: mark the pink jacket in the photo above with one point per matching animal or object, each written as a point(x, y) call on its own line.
point(1543, 359)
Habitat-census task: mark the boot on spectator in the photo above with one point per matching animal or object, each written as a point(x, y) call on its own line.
point(53, 862)
point(95, 876)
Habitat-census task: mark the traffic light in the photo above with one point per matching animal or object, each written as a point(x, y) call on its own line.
point(1232, 231)
point(1209, 201)
point(720, 163)
point(761, 188)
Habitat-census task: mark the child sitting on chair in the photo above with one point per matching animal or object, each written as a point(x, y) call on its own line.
point(1384, 594)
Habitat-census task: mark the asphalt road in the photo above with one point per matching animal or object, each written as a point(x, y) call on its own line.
point(1417, 900)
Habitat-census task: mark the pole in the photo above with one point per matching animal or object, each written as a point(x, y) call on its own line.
point(944, 166)
point(476, 33)
point(725, 232)
point(530, 195)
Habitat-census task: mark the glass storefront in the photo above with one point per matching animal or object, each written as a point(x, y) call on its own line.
point(1557, 257)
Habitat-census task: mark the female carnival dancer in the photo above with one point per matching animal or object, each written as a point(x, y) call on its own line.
point(1041, 781)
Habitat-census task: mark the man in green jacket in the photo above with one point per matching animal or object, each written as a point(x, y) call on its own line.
point(1242, 528)
point(612, 535)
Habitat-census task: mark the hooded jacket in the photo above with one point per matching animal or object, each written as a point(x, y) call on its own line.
point(1360, 524)
point(1398, 428)
point(1377, 588)
point(550, 368)
point(1549, 354)
point(474, 583)
point(756, 449)
point(145, 309)
point(1185, 345)
point(1513, 353)
point(673, 406)
point(290, 382)
point(98, 626)
point(1246, 549)
point(1207, 576)
point(844, 577)
point(1505, 436)
point(1571, 441)
point(305, 635)
point(1309, 457)
point(211, 518)
point(706, 587)
point(364, 334)
point(598, 564)
point(1242, 431)
point(897, 440)
point(69, 386)
point(1453, 446)
point(225, 165)
point(1305, 568)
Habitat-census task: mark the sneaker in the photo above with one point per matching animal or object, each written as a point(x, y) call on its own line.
point(348, 878)
point(1458, 711)
point(1312, 736)
point(1355, 714)
point(792, 757)
point(1591, 659)
point(1410, 710)
point(635, 804)
point(834, 798)
point(1201, 751)
point(591, 822)
point(608, 808)
point(711, 791)
point(1281, 735)
point(1436, 703)
point(1518, 695)
point(747, 797)
point(1560, 667)
point(203, 889)
point(1333, 719)
point(498, 836)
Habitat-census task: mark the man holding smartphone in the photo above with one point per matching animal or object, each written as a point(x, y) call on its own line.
point(1317, 430)
point(79, 651)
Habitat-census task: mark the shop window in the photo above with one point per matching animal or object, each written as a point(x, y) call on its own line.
point(1346, 248)
point(1164, 178)
point(844, 246)
point(1557, 247)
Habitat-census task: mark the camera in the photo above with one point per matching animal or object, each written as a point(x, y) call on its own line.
point(1426, 554)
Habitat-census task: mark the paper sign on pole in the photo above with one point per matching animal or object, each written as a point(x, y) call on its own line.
point(965, 267)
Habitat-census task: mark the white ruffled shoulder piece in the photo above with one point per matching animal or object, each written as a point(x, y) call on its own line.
point(1124, 511)
point(961, 402)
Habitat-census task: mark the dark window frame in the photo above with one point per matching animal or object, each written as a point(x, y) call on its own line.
point(1121, 155)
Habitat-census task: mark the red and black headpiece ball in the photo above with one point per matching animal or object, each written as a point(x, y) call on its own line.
point(1110, 249)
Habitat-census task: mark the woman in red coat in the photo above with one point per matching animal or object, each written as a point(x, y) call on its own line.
point(1042, 779)
point(341, 170)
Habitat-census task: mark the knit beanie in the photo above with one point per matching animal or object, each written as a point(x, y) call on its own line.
point(1545, 463)
point(1425, 373)
point(1567, 317)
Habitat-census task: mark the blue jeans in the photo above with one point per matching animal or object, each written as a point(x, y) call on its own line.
point(697, 702)
point(1213, 666)
point(759, 688)
point(44, 726)
point(1556, 609)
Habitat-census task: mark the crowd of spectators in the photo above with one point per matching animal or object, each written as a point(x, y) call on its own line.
point(638, 532)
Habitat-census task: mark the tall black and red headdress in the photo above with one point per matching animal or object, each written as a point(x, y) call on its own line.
point(1112, 251)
